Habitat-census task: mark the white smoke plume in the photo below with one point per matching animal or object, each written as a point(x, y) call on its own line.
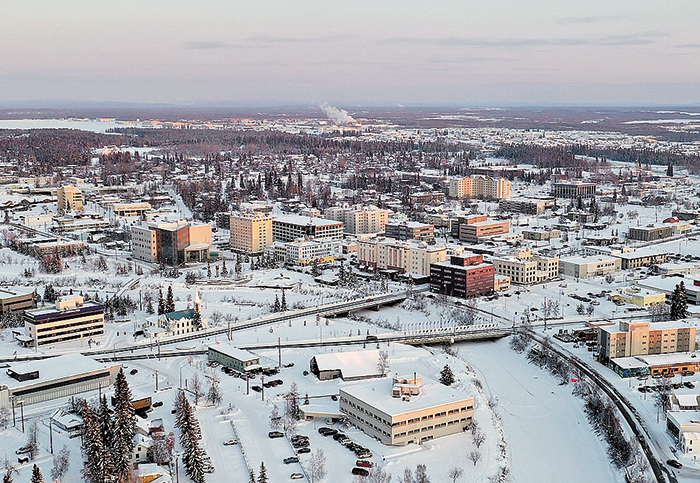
point(338, 116)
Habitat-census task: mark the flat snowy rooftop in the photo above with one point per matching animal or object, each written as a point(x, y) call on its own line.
point(378, 395)
point(352, 364)
point(51, 369)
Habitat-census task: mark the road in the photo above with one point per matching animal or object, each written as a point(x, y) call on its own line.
point(627, 410)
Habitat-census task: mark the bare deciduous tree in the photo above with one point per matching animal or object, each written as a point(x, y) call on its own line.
point(474, 456)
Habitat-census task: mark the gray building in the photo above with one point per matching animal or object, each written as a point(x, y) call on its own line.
point(237, 359)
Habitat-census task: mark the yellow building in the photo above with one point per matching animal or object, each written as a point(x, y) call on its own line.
point(640, 297)
point(70, 198)
point(406, 257)
point(251, 232)
point(131, 209)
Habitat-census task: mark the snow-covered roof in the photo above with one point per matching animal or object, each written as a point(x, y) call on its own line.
point(50, 369)
point(234, 352)
point(378, 394)
point(305, 220)
point(351, 364)
point(663, 359)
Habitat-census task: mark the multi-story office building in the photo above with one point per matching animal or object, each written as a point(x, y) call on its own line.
point(474, 232)
point(657, 231)
point(462, 276)
point(70, 198)
point(172, 243)
point(526, 268)
point(12, 300)
point(426, 197)
point(642, 338)
point(360, 220)
point(288, 228)
point(409, 230)
point(71, 318)
point(644, 257)
point(405, 257)
point(403, 411)
point(479, 186)
point(251, 232)
point(573, 189)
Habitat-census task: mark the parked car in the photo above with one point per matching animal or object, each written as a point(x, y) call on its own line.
point(360, 471)
point(297, 476)
point(363, 454)
point(230, 442)
point(256, 388)
point(290, 460)
point(327, 431)
point(23, 459)
point(157, 404)
point(133, 372)
point(364, 463)
point(304, 449)
point(275, 434)
point(674, 463)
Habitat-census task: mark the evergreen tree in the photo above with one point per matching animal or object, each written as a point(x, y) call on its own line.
point(193, 457)
point(239, 266)
point(276, 307)
point(36, 475)
point(224, 270)
point(679, 302)
point(93, 449)
point(197, 318)
point(446, 376)
point(107, 435)
point(7, 478)
point(161, 304)
point(169, 301)
point(669, 170)
point(252, 477)
point(283, 303)
point(124, 426)
point(262, 476)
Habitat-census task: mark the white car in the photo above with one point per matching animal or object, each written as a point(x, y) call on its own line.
point(230, 442)
point(297, 476)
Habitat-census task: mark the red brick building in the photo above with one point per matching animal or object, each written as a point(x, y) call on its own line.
point(462, 276)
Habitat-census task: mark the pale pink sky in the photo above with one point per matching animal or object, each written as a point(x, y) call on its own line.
point(263, 52)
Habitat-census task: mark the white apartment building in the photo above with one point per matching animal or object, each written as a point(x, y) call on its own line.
point(410, 257)
point(360, 220)
point(479, 186)
point(526, 268)
point(306, 252)
point(251, 232)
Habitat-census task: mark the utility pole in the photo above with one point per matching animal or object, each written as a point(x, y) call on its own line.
point(279, 352)
point(22, 410)
point(156, 381)
point(51, 434)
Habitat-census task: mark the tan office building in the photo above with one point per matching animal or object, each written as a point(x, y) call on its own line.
point(403, 411)
point(131, 209)
point(70, 198)
point(360, 220)
point(405, 257)
point(251, 232)
point(584, 267)
point(643, 338)
point(525, 268)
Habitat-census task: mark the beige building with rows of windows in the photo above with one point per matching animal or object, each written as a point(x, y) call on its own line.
point(70, 198)
point(525, 268)
point(360, 220)
point(71, 318)
point(131, 209)
point(251, 232)
point(412, 257)
point(643, 338)
point(479, 186)
point(403, 411)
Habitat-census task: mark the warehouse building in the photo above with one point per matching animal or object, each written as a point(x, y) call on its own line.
point(37, 381)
